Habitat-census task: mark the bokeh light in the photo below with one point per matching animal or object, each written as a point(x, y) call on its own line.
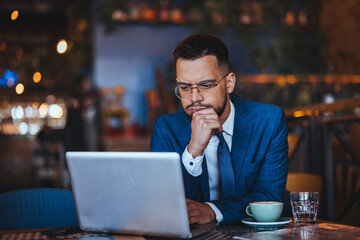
point(30, 112)
point(2, 46)
point(55, 111)
point(10, 82)
point(50, 99)
point(17, 112)
point(23, 128)
point(10, 78)
point(37, 77)
point(19, 88)
point(35, 104)
point(14, 15)
point(43, 110)
point(34, 129)
point(61, 46)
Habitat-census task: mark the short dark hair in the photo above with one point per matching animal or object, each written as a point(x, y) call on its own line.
point(201, 45)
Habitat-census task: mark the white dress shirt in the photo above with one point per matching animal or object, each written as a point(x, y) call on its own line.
point(193, 166)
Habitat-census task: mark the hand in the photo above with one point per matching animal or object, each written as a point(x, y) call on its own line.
point(199, 212)
point(204, 124)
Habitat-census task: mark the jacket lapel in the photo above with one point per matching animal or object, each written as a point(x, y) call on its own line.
point(241, 136)
point(183, 130)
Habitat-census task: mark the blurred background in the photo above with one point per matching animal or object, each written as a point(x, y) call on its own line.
point(92, 75)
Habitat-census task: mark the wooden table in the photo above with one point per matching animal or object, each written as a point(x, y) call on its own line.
point(322, 230)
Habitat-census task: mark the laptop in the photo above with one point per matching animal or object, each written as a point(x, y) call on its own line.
point(137, 193)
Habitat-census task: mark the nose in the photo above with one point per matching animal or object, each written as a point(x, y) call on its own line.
point(196, 95)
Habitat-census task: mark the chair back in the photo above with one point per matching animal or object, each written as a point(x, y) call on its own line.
point(304, 182)
point(37, 208)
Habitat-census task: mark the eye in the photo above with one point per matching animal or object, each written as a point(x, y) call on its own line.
point(184, 87)
point(205, 85)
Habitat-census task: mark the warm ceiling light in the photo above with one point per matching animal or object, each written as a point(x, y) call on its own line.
point(43, 110)
point(291, 79)
point(61, 46)
point(35, 104)
point(14, 15)
point(281, 81)
point(37, 77)
point(19, 88)
point(299, 114)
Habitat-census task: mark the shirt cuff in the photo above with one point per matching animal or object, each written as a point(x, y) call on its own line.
point(192, 165)
point(218, 215)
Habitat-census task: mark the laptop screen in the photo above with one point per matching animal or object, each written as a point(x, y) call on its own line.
point(129, 192)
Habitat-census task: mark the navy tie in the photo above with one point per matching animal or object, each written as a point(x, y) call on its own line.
point(227, 177)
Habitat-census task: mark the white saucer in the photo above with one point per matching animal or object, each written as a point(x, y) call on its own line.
point(266, 225)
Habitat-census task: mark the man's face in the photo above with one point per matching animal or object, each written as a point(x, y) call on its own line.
point(193, 72)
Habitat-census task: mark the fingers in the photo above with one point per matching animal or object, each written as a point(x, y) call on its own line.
point(209, 125)
point(204, 124)
point(194, 219)
point(193, 213)
point(190, 204)
point(199, 212)
point(205, 116)
point(205, 113)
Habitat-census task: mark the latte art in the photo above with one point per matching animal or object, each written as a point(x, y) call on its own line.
point(265, 203)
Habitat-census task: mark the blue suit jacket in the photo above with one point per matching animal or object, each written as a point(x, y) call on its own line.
point(259, 154)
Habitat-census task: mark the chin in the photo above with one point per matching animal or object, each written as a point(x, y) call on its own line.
point(189, 115)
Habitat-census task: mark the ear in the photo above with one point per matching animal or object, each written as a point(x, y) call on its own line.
point(230, 83)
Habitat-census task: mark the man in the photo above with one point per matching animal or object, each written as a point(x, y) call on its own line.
point(219, 184)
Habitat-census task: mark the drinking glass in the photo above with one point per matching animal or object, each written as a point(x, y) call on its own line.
point(304, 206)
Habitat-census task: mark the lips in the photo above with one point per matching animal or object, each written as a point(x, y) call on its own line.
point(192, 110)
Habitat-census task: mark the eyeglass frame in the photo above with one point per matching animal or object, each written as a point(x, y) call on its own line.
point(192, 86)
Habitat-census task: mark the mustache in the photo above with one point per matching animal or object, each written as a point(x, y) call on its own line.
point(198, 105)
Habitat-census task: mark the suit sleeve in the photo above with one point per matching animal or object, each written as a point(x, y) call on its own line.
point(162, 140)
point(270, 182)
point(158, 141)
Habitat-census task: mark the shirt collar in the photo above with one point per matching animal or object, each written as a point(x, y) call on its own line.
point(228, 126)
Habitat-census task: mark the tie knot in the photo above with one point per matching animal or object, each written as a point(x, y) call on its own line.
point(222, 142)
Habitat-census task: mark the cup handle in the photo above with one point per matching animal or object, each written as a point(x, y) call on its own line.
point(248, 211)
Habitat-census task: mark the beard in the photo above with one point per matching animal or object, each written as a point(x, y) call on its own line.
point(219, 110)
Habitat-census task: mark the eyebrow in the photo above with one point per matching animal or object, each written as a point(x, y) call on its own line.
point(202, 82)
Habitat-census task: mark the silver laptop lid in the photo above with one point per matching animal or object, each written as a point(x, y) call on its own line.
point(129, 192)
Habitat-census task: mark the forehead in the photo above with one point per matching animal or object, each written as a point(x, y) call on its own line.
point(194, 71)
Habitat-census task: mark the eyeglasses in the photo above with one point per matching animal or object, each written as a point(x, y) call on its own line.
point(184, 91)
